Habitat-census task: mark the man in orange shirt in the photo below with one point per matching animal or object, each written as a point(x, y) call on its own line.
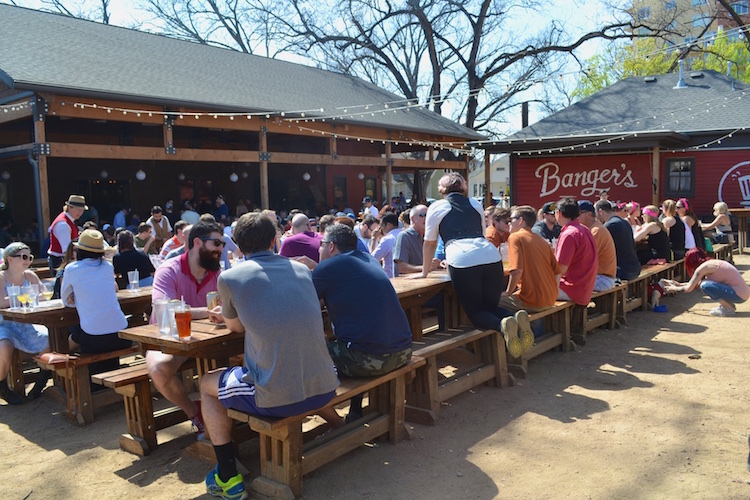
point(605, 247)
point(497, 225)
point(534, 276)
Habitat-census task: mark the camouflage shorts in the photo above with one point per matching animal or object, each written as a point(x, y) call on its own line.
point(353, 363)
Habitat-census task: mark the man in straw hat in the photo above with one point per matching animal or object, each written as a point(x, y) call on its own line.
point(63, 229)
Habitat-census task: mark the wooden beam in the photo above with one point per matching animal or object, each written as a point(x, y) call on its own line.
point(9, 115)
point(263, 147)
point(656, 173)
point(110, 152)
point(388, 172)
point(40, 137)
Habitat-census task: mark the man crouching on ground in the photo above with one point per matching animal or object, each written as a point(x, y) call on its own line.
point(287, 367)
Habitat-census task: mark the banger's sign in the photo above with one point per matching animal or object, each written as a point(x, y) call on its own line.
point(626, 177)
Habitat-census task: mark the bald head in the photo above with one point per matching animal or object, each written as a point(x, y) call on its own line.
point(300, 223)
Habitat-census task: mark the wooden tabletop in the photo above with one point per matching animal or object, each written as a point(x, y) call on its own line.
point(59, 315)
point(406, 287)
point(204, 337)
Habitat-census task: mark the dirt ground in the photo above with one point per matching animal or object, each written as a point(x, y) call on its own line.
point(651, 410)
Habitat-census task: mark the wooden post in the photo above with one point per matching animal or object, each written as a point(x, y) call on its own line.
point(264, 157)
point(487, 178)
point(40, 137)
point(388, 172)
point(655, 172)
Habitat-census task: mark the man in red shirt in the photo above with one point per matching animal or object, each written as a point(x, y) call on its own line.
point(576, 255)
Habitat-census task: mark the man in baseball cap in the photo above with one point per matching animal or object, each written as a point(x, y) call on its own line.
point(547, 227)
point(367, 207)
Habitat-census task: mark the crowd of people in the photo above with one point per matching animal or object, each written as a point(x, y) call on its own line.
point(504, 262)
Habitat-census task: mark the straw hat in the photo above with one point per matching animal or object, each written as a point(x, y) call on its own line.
point(91, 241)
point(77, 200)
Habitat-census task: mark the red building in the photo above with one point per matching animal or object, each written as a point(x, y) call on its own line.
point(642, 139)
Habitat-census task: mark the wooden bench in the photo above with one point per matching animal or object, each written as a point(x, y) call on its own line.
point(722, 251)
point(74, 371)
point(285, 457)
point(557, 334)
point(482, 354)
point(16, 381)
point(637, 294)
point(142, 422)
point(608, 308)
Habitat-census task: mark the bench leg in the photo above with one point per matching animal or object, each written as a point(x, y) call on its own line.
point(139, 417)
point(578, 323)
point(15, 374)
point(280, 463)
point(396, 401)
point(424, 403)
point(499, 359)
point(84, 403)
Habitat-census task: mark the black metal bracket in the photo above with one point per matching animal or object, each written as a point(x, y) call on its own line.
point(40, 149)
point(39, 108)
point(170, 149)
point(264, 156)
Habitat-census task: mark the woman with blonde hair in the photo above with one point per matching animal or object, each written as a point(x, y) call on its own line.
point(653, 231)
point(721, 223)
point(634, 213)
point(26, 337)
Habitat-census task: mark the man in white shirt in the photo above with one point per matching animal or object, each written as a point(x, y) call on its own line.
point(368, 208)
point(383, 241)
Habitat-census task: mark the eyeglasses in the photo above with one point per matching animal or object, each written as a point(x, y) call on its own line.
point(216, 241)
point(514, 218)
point(679, 206)
point(23, 256)
point(324, 242)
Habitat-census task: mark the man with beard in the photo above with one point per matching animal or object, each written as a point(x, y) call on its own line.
point(190, 277)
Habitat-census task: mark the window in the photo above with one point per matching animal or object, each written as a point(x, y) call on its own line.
point(670, 5)
point(644, 13)
point(680, 177)
point(699, 21)
point(741, 7)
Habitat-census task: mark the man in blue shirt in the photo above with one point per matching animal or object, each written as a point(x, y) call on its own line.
point(373, 336)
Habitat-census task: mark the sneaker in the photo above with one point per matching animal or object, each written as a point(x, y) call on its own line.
point(527, 335)
point(509, 327)
point(198, 427)
point(233, 489)
point(40, 384)
point(722, 311)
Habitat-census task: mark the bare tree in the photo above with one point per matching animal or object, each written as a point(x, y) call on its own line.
point(98, 12)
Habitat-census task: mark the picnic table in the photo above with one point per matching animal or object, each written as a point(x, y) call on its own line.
point(742, 215)
point(413, 293)
point(57, 317)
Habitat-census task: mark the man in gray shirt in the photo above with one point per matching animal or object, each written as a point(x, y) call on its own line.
point(279, 379)
point(407, 256)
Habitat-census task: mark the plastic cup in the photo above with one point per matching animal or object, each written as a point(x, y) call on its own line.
point(13, 291)
point(133, 280)
point(182, 317)
point(161, 313)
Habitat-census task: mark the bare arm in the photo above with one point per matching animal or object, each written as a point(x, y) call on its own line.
point(428, 254)
point(705, 269)
point(513, 279)
point(644, 231)
point(234, 324)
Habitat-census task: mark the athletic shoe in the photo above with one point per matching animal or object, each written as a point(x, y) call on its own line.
point(527, 336)
point(198, 427)
point(722, 311)
point(509, 328)
point(233, 489)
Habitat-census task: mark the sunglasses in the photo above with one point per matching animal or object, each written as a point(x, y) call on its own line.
point(216, 241)
point(422, 215)
point(23, 256)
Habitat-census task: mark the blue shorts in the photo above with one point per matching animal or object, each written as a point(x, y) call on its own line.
point(240, 396)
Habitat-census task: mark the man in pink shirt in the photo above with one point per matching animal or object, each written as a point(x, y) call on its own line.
point(190, 277)
point(576, 255)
